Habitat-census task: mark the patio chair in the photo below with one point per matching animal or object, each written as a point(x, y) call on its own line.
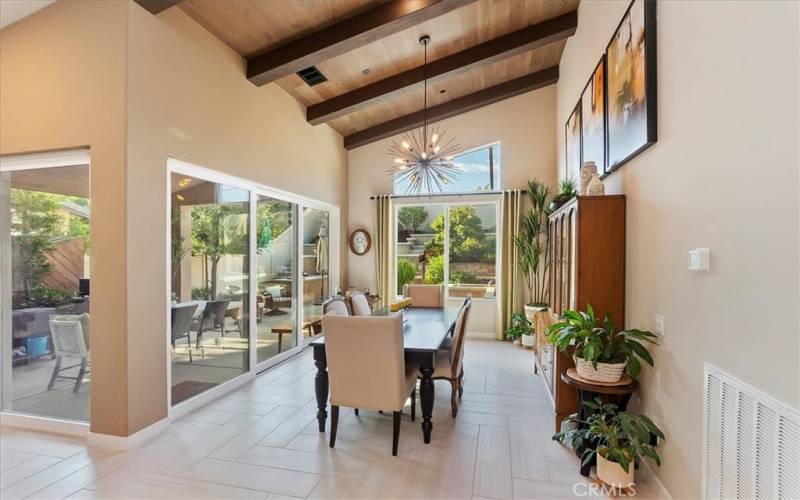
point(68, 342)
point(182, 316)
point(213, 318)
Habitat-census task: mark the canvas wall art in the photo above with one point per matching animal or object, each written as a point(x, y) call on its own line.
point(573, 143)
point(593, 124)
point(631, 68)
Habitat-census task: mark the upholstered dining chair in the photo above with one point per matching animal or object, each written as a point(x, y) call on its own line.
point(336, 306)
point(425, 295)
point(449, 362)
point(360, 305)
point(367, 368)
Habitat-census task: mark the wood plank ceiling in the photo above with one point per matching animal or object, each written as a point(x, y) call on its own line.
point(256, 27)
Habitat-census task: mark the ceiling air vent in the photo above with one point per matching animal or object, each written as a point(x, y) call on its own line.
point(312, 76)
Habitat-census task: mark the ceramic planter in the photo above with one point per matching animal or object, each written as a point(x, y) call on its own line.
point(528, 340)
point(605, 372)
point(612, 473)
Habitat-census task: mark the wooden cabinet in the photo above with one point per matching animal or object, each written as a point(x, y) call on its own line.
point(587, 266)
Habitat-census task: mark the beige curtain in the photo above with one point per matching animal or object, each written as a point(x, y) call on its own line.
point(510, 296)
point(382, 237)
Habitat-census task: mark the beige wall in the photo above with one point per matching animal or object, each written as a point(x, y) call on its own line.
point(723, 175)
point(522, 124)
point(188, 98)
point(62, 85)
point(67, 75)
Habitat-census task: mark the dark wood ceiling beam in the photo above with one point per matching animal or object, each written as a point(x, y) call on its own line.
point(454, 107)
point(386, 19)
point(156, 6)
point(518, 42)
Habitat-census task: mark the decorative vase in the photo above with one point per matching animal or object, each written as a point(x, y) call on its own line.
point(558, 201)
point(605, 372)
point(612, 473)
point(531, 310)
point(588, 170)
point(595, 187)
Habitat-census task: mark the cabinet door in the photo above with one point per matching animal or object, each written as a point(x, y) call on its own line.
point(572, 280)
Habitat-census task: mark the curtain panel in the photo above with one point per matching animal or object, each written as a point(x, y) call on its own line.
point(510, 296)
point(383, 218)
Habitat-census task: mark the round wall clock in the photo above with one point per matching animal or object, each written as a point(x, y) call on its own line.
point(360, 241)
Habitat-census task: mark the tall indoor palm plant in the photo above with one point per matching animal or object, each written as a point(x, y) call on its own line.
point(532, 245)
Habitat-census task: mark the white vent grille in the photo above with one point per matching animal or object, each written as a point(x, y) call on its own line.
point(752, 442)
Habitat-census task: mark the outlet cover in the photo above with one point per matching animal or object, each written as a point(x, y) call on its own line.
point(658, 324)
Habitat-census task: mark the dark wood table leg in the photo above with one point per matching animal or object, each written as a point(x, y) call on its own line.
point(321, 385)
point(426, 399)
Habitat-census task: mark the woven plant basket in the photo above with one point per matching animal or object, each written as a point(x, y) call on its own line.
point(605, 372)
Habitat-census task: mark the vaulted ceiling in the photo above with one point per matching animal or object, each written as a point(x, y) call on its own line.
point(481, 51)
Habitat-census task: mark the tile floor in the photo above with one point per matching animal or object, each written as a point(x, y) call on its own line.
point(262, 442)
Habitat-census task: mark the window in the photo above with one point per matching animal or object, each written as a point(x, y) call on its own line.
point(450, 244)
point(45, 244)
point(480, 171)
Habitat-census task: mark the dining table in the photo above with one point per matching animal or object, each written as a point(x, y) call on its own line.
point(424, 331)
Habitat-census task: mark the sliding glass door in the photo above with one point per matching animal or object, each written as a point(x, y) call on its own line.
point(250, 268)
point(276, 271)
point(449, 244)
point(44, 290)
point(210, 298)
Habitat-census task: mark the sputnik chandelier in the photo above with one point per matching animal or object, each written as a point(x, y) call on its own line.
point(423, 160)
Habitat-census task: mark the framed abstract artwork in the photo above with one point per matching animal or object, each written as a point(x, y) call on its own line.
point(631, 85)
point(593, 121)
point(572, 139)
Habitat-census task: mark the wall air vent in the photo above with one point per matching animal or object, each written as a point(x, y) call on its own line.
point(752, 442)
point(312, 76)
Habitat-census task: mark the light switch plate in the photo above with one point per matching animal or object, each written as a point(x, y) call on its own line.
point(658, 324)
point(700, 260)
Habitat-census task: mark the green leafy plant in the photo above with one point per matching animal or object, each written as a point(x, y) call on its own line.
point(568, 188)
point(601, 344)
point(406, 272)
point(519, 326)
point(412, 217)
point(469, 241)
point(434, 271)
point(218, 230)
point(618, 436)
point(532, 243)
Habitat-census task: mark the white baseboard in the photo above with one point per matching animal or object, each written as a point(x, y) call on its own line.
point(44, 424)
point(481, 335)
point(123, 443)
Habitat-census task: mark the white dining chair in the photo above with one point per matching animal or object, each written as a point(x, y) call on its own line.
point(367, 367)
point(360, 305)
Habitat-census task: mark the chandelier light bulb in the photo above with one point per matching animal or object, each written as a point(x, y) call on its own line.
point(424, 156)
point(434, 139)
point(406, 145)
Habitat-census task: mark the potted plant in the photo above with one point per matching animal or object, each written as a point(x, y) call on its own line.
point(519, 329)
point(568, 190)
point(617, 439)
point(601, 353)
point(532, 243)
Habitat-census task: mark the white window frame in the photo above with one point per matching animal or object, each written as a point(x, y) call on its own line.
point(254, 189)
point(15, 163)
point(496, 173)
point(447, 201)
